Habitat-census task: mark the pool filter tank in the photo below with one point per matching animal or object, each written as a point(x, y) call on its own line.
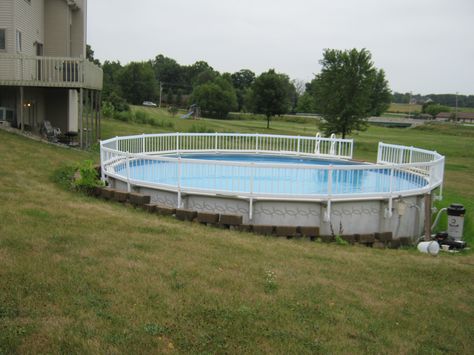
point(456, 214)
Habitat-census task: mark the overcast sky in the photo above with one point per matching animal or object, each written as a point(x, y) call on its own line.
point(424, 46)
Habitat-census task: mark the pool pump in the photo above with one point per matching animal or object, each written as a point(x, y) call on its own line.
point(453, 236)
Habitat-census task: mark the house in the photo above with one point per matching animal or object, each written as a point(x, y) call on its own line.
point(44, 73)
point(460, 116)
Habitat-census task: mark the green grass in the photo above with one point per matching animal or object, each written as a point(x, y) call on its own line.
point(80, 275)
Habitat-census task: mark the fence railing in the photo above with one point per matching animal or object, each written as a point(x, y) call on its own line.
point(233, 142)
point(429, 164)
point(400, 171)
point(19, 69)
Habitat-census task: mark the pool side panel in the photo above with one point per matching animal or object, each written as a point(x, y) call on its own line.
point(348, 217)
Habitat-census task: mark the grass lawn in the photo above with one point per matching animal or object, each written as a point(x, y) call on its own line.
point(80, 275)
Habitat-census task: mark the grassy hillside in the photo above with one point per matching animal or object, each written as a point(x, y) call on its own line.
point(80, 275)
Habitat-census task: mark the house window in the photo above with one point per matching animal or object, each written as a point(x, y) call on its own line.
point(18, 41)
point(3, 44)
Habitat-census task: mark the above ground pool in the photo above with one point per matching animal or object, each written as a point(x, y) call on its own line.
point(270, 175)
point(276, 180)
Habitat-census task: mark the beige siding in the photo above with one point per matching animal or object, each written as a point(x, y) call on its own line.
point(6, 22)
point(57, 28)
point(30, 21)
point(78, 31)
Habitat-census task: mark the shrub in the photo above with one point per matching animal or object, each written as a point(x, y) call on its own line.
point(125, 116)
point(81, 177)
point(108, 109)
point(142, 117)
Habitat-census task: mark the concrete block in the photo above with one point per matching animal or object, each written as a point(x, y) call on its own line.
point(384, 236)
point(107, 193)
point(230, 220)
point(149, 207)
point(96, 191)
point(263, 229)
point(309, 231)
point(165, 211)
point(121, 196)
point(137, 199)
point(244, 227)
point(286, 231)
point(366, 238)
point(394, 244)
point(208, 218)
point(185, 215)
point(405, 241)
point(378, 245)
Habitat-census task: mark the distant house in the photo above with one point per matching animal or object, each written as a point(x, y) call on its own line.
point(460, 116)
point(44, 73)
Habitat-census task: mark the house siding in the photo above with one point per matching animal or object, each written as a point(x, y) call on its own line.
point(57, 28)
point(6, 22)
point(29, 20)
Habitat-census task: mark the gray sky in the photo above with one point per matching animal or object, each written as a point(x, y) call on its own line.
point(424, 46)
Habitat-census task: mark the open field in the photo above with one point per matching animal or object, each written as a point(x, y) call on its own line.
point(80, 275)
point(406, 108)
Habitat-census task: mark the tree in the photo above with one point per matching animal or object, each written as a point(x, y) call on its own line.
point(90, 55)
point(345, 90)
point(434, 109)
point(215, 98)
point(111, 72)
point(306, 103)
point(242, 80)
point(381, 96)
point(137, 82)
point(270, 94)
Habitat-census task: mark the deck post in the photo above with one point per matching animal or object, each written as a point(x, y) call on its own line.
point(22, 123)
point(81, 98)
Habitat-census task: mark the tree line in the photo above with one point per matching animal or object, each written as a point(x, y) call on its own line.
point(441, 99)
point(348, 89)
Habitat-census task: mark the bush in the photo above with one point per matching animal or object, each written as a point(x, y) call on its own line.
point(81, 177)
point(143, 117)
point(118, 102)
point(125, 116)
point(108, 109)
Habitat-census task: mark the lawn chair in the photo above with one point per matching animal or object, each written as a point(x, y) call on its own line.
point(49, 132)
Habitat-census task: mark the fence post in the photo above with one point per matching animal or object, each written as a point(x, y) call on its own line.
point(299, 140)
point(102, 174)
point(333, 143)
point(256, 143)
point(317, 144)
point(379, 152)
point(327, 216)
point(127, 160)
point(179, 182)
point(143, 143)
point(252, 176)
point(390, 189)
point(215, 143)
point(177, 142)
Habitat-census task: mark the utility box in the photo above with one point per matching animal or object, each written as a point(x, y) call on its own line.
point(456, 214)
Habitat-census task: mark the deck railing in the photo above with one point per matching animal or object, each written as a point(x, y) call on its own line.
point(421, 168)
point(70, 72)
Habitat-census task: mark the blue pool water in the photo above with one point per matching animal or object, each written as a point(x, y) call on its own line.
point(302, 178)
